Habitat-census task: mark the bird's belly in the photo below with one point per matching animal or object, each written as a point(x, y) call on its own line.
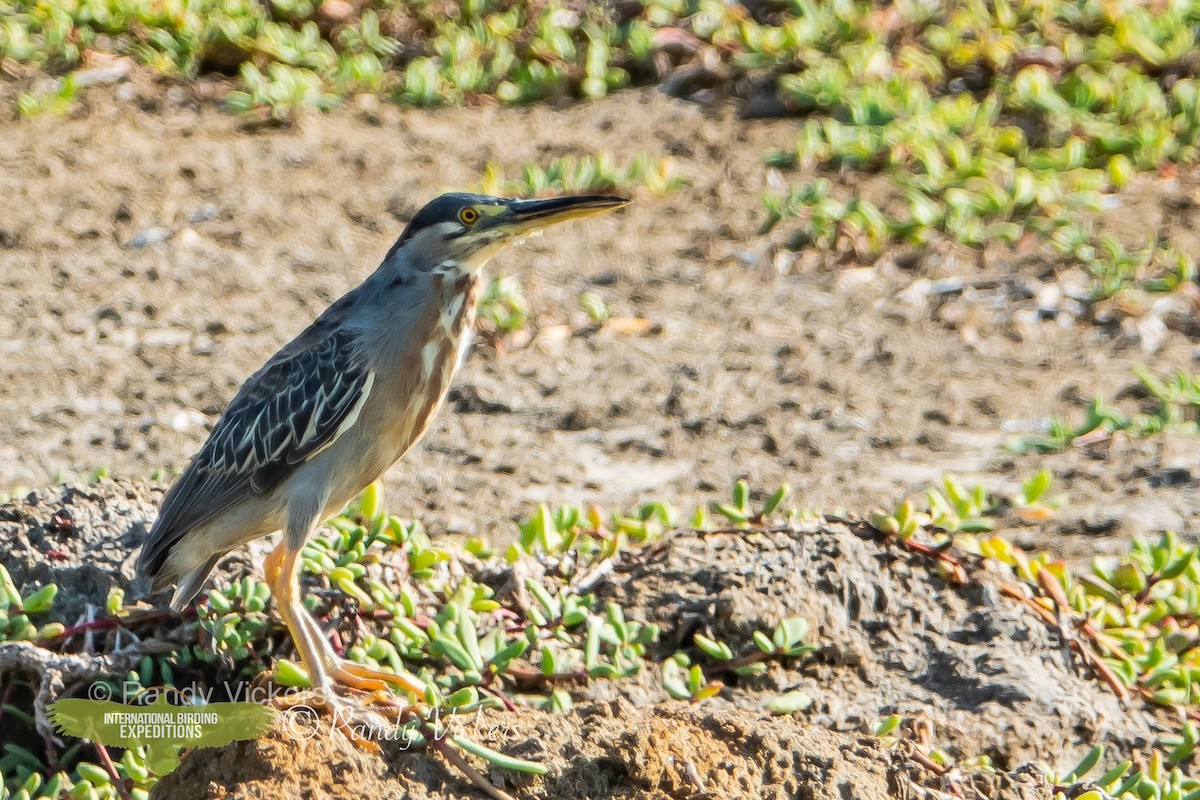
point(411, 382)
point(396, 417)
point(424, 398)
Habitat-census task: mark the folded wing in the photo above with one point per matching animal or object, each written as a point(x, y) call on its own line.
point(289, 411)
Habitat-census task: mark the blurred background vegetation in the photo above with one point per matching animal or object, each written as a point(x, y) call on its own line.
point(989, 120)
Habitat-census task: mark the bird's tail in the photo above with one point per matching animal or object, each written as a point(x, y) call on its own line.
point(155, 566)
point(190, 584)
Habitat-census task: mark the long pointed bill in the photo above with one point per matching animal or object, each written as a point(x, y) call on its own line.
point(529, 215)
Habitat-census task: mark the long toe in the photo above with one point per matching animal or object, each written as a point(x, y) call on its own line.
point(356, 676)
point(368, 679)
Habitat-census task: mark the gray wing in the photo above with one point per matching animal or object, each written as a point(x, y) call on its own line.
point(286, 413)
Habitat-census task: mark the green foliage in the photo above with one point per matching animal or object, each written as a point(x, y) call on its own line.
point(290, 55)
point(57, 100)
point(684, 680)
point(988, 120)
point(1175, 407)
point(284, 90)
point(887, 726)
point(1136, 616)
point(1133, 618)
point(19, 615)
point(231, 620)
point(790, 702)
point(584, 538)
point(595, 307)
point(399, 602)
point(502, 306)
point(598, 172)
point(1158, 780)
point(952, 509)
point(739, 511)
point(1159, 267)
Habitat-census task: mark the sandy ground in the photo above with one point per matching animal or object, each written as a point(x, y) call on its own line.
point(152, 255)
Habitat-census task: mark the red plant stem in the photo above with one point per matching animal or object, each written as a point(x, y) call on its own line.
point(1053, 588)
point(112, 770)
point(1015, 593)
point(1089, 655)
point(109, 623)
point(926, 762)
point(527, 674)
point(1097, 664)
point(103, 624)
point(509, 705)
point(735, 664)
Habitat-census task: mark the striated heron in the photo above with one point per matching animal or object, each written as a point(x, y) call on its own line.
point(337, 406)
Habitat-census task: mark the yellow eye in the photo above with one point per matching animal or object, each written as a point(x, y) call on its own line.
point(468, 216)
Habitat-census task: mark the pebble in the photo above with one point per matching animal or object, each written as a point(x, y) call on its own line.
point(110, 73)
point(202, 214)
point(783, 261)
point(1048, 298)
point(1151, 333)
point(165, 337)
point(188, 238)
point(150, 236)
point(186, 418)
point(336, 9)
point(855, 279)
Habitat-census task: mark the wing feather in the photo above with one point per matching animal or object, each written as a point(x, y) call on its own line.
point(290, 410)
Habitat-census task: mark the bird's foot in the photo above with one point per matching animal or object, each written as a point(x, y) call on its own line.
point(364, 718)
point(368, 679)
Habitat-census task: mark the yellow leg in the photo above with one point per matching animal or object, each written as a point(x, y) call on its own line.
point(325, 669)
point(323, 665)
point(281, 575)
point(281, 568)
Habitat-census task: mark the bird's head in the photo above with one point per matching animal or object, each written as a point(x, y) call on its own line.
point(468, 229)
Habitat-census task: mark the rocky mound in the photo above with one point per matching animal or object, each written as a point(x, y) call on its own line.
point(991, 678)
point(970, 668)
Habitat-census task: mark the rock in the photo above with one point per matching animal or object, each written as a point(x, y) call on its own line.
point(82, 537)
point(894, 638)
point(149, 236)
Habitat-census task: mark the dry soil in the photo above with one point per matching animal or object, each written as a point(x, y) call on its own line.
point(153, 254)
